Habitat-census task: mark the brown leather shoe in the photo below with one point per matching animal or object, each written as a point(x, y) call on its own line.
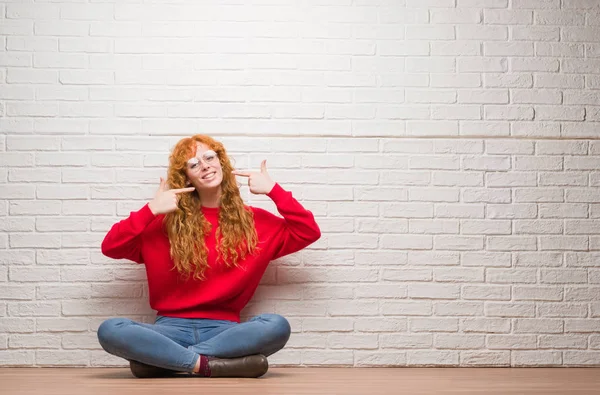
point(143, 371)
point(250, 366)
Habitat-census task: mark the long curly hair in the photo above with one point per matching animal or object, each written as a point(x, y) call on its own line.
point(187, 227)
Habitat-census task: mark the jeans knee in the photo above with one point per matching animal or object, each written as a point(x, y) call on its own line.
point(279, 328)
point(108, 329)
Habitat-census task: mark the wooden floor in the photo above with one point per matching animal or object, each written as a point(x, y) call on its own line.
point(300, 381)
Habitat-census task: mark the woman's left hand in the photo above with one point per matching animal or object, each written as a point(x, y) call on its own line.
point(260, 183)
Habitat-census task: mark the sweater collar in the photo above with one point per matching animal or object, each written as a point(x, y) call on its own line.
point(210, 210)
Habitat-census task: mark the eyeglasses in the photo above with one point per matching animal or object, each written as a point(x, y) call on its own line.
point(209, 157)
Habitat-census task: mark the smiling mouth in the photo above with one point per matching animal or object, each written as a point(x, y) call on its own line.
point(210, 176)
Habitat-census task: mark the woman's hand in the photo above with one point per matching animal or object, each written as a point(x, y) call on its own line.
point(260, 183)
point(166, 199)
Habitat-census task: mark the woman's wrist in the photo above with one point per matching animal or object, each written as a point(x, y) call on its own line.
point(152, 207)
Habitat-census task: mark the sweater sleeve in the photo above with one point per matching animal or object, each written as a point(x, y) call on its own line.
point(123, 240)
point(298, 228)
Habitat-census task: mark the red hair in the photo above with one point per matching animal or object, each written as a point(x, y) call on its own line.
point(187, 227)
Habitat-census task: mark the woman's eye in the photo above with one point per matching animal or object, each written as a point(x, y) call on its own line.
point(209, 158)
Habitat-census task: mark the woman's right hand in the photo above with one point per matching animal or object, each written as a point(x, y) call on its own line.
point(165, 200)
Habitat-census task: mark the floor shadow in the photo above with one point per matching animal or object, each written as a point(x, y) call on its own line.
point(125, 374)
point(273, 375)
point(113, 374)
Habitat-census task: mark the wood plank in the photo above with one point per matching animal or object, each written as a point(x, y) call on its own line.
point(308, 381)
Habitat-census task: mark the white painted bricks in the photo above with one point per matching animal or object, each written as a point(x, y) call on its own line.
point(448, 149)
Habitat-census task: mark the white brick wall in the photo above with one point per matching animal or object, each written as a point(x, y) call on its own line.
point(449, 149)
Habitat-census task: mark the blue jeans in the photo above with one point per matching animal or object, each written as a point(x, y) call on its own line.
point(175, 343)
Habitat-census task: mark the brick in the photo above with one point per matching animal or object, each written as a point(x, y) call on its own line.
point(555, 49)
point(485, 358)
point(381, 325)
point(34, 309)
point(511, 243)
point(487, 259)
point(407, 210)
point(538, 227)
point(486, 325)
point(380, 258)
point(508, 113)
point(541, 4)
point(498, 309)
point(62, 358)
point(563, 341)
point(581, 358)
point(408, 308)
point(507, 17)
point(582, 259)
point(578, 242)
point(447, 178)
point(537, 293)
point(432, 358)
point(16, 191)
point(511, 276)
point(511, 211)
point(342, 308)
point(40, 143)
point(459, 341)
point(543, 80)
point(17, 357)
point(407, 274)
point(458, 47)
point(458, 243)
point(511, 342)
point(339, 358)
point(536, 358)
point(437, 258)
point(476, 128)
point(486, 227)
point(405, 341)
point(485, 292)
point(496, 48)
point(485, 162)
point(538, 326)
point(539, 195)
point(454, 309)
point(358, 341)
point(35, 340)
point(536, 96)
point(433, 291)
point(328, 324)
point(379, 358)
point(17, 257)
point(426, 226)
point(379, 291)
point(562, 310)
point(302, 340)
point(563, 210)
point(23, 240)
point(566, 179)
point(17, 325)
point(17, 292)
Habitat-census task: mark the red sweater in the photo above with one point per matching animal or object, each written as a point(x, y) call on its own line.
point(225, 291)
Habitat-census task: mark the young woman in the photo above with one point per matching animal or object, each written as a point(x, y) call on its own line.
point(205, 253)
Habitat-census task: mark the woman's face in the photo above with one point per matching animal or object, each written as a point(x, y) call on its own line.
point(204, 170)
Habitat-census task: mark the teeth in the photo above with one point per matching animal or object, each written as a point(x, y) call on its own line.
point(208, 176)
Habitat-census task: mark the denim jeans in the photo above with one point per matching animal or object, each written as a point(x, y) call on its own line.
point(175, 343)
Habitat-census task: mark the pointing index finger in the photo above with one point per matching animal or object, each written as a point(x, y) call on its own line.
point(241, 173)
point(182, 190)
